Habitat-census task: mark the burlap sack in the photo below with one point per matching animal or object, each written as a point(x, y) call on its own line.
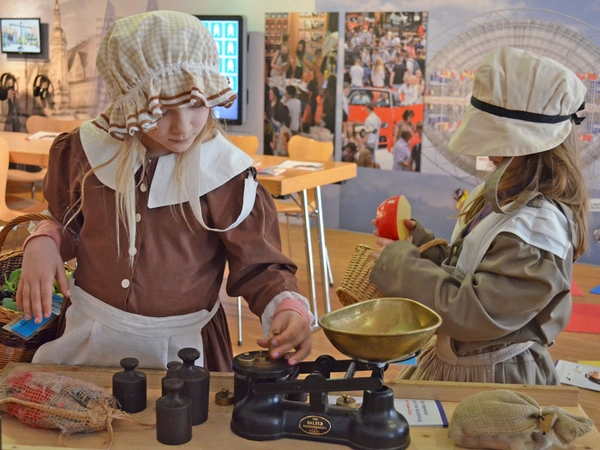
point(508, 420)
point(44, 399)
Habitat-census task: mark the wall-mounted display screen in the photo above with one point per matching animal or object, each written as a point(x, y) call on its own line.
point(229, 33)
point(21, 36)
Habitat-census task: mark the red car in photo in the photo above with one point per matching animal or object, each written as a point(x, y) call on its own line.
point(387, 106)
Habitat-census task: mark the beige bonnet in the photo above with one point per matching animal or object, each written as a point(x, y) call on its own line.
point(521, 104)
point(153, 59)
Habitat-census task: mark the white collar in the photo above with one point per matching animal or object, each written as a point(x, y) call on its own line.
point(220, 161)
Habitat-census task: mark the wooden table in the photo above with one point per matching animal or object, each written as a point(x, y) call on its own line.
point(27, 151)
point(216, 434)
point(299, 181)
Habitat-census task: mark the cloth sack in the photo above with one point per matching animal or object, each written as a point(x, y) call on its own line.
point(509, 420)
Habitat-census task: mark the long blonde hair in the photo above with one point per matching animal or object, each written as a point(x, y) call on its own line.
point(556, 174)
point(131, 153)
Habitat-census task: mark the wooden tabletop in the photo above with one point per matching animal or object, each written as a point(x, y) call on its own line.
point(216, 433)
point(296, 180)
point(26, 151)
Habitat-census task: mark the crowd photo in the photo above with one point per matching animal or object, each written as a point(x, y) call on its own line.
point(300, 78)
point(384, 89)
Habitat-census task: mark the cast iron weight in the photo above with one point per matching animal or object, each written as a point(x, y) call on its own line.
point(170, 365)
point(173, 415)
point(129, 386)
point(196, 383)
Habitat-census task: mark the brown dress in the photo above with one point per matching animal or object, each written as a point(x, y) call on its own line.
point(178, 267)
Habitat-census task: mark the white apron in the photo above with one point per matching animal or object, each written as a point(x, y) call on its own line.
point(97, 334)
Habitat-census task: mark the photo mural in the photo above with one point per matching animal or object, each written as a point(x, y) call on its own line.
point(300, 78)
point(382, 84)
point(453, 39)
point(62, 81)
point(384, 87)
point(457, 37)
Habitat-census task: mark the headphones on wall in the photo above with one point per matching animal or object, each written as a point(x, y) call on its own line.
point(7, 82)
point(42, 87)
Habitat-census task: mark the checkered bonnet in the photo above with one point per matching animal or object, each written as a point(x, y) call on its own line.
point(153, 59)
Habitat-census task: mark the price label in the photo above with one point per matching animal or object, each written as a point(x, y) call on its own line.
point(594, 204)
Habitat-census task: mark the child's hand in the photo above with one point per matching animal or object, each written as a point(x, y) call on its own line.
point(289, 331)
point(42, 264)
point(382, 243)
point(410, 226)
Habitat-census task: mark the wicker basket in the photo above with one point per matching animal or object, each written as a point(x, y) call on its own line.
point(12, 347)
point(355, 285)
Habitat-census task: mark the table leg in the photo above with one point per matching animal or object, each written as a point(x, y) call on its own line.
point(310, 263)
point(322, 248)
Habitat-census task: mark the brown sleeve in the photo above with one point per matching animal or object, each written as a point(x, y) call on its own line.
point(66, 165)
point(258, 269)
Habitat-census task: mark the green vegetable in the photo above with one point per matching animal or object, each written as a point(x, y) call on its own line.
point(13, 280)
point(9, 303)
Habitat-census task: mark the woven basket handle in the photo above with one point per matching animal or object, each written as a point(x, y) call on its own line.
point(7, 228)
point(432, 243)
point(426, 246)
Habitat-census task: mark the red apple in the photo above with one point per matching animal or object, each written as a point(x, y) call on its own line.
point(390, 218)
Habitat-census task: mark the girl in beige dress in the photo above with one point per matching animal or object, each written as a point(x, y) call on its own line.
point(502, 286)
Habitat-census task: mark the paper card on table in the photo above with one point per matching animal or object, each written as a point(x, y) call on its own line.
point(271, 170)
point(44, 135)
point(580, 375)
point(596, 290)
point(422, 413)
point(418, 413)
point(304, 165)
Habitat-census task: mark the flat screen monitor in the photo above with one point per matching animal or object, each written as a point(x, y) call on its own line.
point(229, 32)
point(21, 36)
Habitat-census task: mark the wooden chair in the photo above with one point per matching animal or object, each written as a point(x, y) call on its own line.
point(24, 176)
point(12, 206)
point(248, 143)
point(302, 148)
point(35, 124)
point(42, 123)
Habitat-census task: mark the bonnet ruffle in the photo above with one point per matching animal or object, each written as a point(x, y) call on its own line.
point(156, 59)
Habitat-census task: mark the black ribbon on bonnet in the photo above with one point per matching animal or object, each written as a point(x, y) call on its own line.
point(524, 115)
